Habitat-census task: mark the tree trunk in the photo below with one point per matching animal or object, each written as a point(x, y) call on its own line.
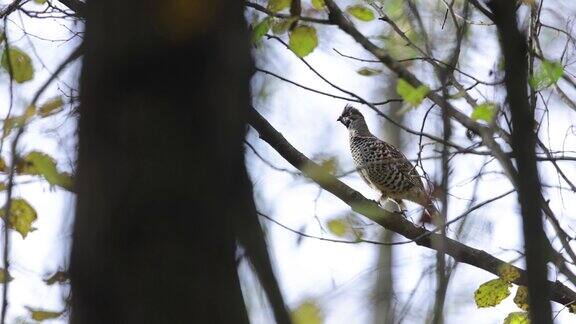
point(161, 177)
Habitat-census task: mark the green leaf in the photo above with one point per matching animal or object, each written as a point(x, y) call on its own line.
point(318, 4)
point(42, 164)
point(411, 95)
point(517, 318)
point(5, 276)
point(261, 29)
point(548, 74)
point(508, 272)
point(360, 12)
point(278, 5)
point(22, 69)
point(303, 40)
point(40, 1)
point(307, 312)
point(51, 107)
point(58, 277)
point(366, 71)
point(22, 215)
point(485, 112)
point(492, 292)
point(281, 26)
point(521, 298)
point(42, 314)
point(338, 227)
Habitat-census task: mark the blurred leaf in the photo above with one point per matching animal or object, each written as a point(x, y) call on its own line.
point(281, 26)
point(278, 5)
point(12, 122)
point(330, 165)
point(307, 313)
point(58, 277)
point(492, 292)
point(42, 164)
point(318, 4)
point(338, 227)
point(3, 166)
point(360, 12)
point(411, 95)
point(485, 112)
point(40, 1)
point(22, 69)
point(5, 276)
point(366, 71)
point(303, 40)
point(51, 107)
point(517, 318)
point(548, 74)
point(22, 215)
point(508, 272)
point(521, 298)
point(572, 308)
point(261, 29)
point(41, 314)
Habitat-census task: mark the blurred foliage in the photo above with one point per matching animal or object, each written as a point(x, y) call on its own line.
point(318, 4)
point(303, 40)
point(5, 275)
point(308, 312)
point(548, 74)
point(42, 314)
point(361, 12)
point(51, 107)
point(521, 298)
point(260, 30)
point(366, 71)
point(278, 5)
point(41, 164)
point(485, 112)
point(492, 292)
point(21, 64)
point(21, 216)
point(517, 318)
point(58, 277)
point(411, 95)
point(508, 272)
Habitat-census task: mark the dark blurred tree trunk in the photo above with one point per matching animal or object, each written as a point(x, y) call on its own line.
point(161, 178)
point(515, 50)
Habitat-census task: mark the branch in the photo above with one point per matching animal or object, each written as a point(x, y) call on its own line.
point(391, 221)
point(285, 16)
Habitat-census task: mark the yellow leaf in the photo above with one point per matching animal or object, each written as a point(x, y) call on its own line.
point(318, 4)
point(42, 314)
point(20, 67)
point(5, 276)
point(51, 107)
point(360, 12)
point(508, 272)
point(492, 292)
point(22, 215)
point(58, 277)
point(517, 318)
point(38, 163)
point(3, 166)
point(303, 40)
point(29, 112)
point(337, 226)
point(278, 5)
point(307, 312)
point(521, 298)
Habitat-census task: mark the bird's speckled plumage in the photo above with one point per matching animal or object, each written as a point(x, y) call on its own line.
point(382, 165)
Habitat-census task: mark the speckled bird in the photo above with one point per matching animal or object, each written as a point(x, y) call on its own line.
point(382, 166)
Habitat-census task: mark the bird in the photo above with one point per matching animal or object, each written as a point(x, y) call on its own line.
point(384, 167)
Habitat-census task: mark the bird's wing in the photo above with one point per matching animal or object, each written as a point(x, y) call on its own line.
point(390, 156)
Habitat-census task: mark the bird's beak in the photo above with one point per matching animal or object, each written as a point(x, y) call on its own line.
point(340, 119)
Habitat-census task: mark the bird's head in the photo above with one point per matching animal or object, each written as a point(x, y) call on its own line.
point(350, 115)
